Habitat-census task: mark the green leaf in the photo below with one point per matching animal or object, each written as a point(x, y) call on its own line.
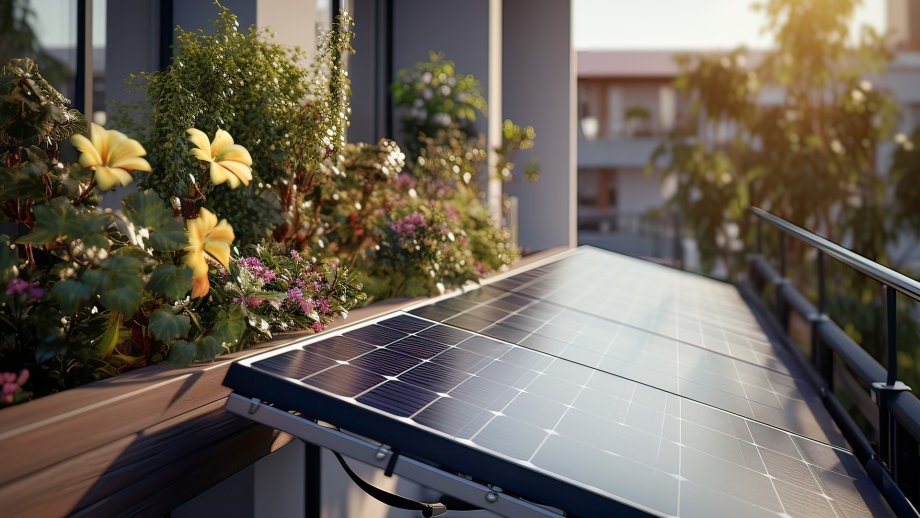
point(19, 185)
point(147, 210)
point(181, 353)
point(230, 325)
point(167, 325)
point(208, 348)
point(119, 284)
point(51, 346)
point(171, 281)
point(71, 295)
point(38, 236)
point(58, 216)
point(169, 237)
point(105, 344)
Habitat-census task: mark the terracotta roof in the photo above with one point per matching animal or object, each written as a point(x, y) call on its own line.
point(638, 63)
point(627, 63)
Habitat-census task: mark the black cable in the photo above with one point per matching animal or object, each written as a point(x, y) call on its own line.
point(400, 502)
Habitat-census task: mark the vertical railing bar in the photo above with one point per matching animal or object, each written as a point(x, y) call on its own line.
point(782, 254)
point(822, 300)
point(891, 318)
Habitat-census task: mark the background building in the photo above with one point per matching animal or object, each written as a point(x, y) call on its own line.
point(627, 104)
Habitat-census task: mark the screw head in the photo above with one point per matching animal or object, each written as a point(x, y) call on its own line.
point(382, 453)
point(491, 497)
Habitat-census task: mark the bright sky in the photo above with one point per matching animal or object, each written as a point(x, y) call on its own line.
point(599, 24)
point(680, 24)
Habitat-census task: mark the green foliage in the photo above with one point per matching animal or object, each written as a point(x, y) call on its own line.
point(88, 293)
point(290, 117)
point(516, 138)
point(32, 112)
point(905, 176)
point(432, 97)
point(810, 158)
point(427, 229)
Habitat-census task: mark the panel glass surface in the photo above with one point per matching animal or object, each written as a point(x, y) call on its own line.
point(679, 409)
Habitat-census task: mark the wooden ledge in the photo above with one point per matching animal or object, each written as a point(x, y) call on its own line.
point(145, 441)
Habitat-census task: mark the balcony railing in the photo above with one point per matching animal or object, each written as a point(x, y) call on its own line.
point(838, 362)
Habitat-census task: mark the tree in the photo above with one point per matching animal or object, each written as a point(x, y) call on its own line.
point(807, 155)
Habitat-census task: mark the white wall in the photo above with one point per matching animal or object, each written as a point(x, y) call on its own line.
point(539, 89)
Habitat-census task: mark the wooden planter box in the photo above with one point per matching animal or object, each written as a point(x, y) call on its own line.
point(140, 443)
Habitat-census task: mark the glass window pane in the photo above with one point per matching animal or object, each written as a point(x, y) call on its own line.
point(46, 31)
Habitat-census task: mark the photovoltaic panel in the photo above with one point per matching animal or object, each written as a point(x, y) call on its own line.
point(727, 362)
point(591, 412)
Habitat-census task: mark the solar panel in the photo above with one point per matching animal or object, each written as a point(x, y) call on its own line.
point(595, 384)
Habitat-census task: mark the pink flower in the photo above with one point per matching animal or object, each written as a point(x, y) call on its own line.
point(11, 383)
point(296, 256)
point(404, 180)
point(258, 269)
point(408, 225)
point(249, 301)
point(16, 286)
point(318, 327)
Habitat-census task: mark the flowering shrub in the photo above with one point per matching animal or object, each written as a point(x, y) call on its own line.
point(437, 102)
point(290, 116)
point(257, 164)
point(434, 97)
point(88, 293)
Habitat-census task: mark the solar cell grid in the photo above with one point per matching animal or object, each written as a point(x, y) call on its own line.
point(757, 384)
point(686, 416)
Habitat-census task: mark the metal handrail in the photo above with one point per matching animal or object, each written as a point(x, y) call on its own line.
point(898, 418)
point(882, 274)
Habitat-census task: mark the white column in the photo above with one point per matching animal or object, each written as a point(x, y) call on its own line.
point(293, 22)
point(494, 133)
point(539, 89)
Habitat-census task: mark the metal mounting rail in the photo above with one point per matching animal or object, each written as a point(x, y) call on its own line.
point(897, 420)
point(490, 498)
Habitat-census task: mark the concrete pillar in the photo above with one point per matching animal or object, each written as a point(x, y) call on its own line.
point(294, 23)
point(539, 89)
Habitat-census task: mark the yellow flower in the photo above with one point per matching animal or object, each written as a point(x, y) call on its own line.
point(207, 239)
point(112, 155)
point(229, 162)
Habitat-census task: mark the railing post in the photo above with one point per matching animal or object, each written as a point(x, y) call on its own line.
point(782, 314)
point(885, 390)
point(891, 335)
point(678, 243)
point(821, 356)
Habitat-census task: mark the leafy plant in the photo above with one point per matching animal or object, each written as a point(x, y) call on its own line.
point(89, 293)
point(290, 117)
point(810, 158)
